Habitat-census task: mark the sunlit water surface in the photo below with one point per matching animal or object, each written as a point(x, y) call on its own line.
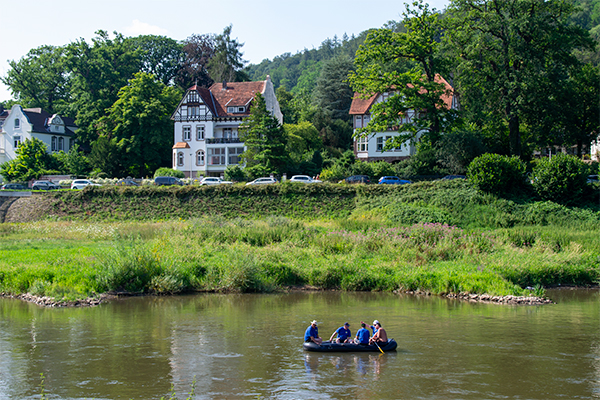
point(250, 346)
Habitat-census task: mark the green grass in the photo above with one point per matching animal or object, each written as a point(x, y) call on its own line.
point(262, 255)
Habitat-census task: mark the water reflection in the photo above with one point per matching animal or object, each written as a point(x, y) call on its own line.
point(237, 346)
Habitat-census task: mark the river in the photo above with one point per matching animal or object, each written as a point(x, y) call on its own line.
point(239, 346)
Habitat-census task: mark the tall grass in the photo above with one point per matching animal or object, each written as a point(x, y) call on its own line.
point(262, 255)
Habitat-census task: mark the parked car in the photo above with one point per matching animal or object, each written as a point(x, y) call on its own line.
point(451, 177)
point(392, 180)
point(262, 181)
point(44, 185)
point(358, 179)
point(592, 179)
point(82, 183)
point(13, 186)
point(127, 182)
point(211, 180)
point(304, 179)
point(167, 180)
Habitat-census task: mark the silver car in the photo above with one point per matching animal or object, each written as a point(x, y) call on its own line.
point(262, 181)
point(304, 179)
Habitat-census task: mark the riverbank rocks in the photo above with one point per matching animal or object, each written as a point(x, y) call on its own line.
point(45, 301)
point(486, 298)
point(524, 300)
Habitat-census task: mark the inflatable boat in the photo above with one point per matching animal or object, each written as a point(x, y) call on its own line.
point(348, 347)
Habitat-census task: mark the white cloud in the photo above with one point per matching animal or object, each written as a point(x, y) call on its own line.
point(141, 28)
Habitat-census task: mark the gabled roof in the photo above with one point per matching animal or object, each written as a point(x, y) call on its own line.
point(181, 145)
point(227, 94)
point(237, 94)
point(361, 106)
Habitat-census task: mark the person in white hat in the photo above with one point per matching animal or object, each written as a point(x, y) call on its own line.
point(380, 335)
point(312, 333)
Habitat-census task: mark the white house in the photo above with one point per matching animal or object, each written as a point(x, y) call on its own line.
point(206, 125)
point(371, 147)
point(18, 125)
point(595, 149)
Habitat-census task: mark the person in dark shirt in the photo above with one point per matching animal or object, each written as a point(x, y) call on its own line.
point(312, 333)
point(362, 336)
point(343, 334)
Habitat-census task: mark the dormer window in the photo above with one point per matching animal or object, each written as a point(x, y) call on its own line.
point(236, 109)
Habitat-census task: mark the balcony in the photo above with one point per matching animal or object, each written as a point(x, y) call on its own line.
point(223, 140)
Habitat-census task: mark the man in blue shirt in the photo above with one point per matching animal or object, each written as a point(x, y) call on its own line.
point(343, 334)
point(362, 336)
point(312, 333)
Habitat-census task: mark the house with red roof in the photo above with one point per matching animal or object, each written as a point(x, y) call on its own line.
point(372, 147)
point(19, 124)
point(206, 125)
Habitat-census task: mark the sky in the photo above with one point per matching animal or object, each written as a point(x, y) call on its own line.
point(267, 28)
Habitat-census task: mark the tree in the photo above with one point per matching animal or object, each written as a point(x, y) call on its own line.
point(139, 124)
point(406, 65)
point(160, 56)
point(198, 50)
point(226, 64)
point(333, 93)
point(40, 79)
point(98, 73)
point(509, 53)
point(265, 139)
point(31, 162)
point(73, 162)
point(302, 140)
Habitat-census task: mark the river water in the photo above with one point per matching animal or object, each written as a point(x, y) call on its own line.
point(250, 346)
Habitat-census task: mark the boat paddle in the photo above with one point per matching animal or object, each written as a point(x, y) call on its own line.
point(379, 348)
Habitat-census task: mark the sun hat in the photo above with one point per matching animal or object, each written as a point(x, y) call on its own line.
point(376, 322)
point(314, 322)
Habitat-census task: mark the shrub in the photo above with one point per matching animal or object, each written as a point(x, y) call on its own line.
point(494, 173)
point(235, 173)
point(561, 178)
point(169, 172)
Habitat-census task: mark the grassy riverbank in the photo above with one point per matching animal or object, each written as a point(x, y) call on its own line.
point(436, 237)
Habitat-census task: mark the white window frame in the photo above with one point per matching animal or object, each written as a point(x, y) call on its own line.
point(53, 143)
point(61, 143)
point(362, 144)
point(17, 123)
point(186, 133)
point(234, 155)
point(380, 143)
point(200, 132)
point(227, 133)
point(16, 141)
point(180, 158)
point(216, 156)
point(358, 122)
point(200, 157)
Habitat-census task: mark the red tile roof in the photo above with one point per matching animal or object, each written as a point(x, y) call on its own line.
point(235, 94)
point(361, 106)
point(181, 145)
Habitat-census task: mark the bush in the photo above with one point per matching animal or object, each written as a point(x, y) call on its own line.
point(169, 172)
point(561, 178)
point(235, 173)
point(494, 173)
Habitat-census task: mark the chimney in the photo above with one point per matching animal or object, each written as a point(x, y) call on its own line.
point(224, 85)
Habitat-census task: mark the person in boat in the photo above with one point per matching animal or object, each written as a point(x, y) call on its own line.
point(312, 333)
point(362, 336)
point(380, 335)
point(373, 327)
point(343, 334)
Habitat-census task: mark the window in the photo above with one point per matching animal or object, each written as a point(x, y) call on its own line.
point(234, 155)
point(61, 144)
point(200, 132)
point(363, 144)
point(366, 120)
point(227, 133)
point(187, 132)
point(380, 144)
point(358, 123)
point(216, 156)
point(180, 159)
point(17, 123)
point(200, 157)
point(53, 145)
point(236, 109)
point(193, 111)
point(70, 143)
point(193, 97)
point(17, 141)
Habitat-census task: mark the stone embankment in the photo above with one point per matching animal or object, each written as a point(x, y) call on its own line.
point(486, 298)
point(50, 302)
